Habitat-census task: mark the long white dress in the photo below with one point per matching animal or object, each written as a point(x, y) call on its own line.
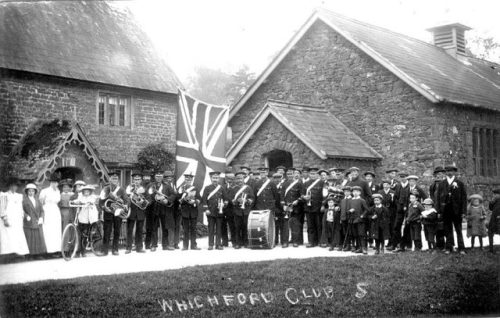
point(52, 222)
point(12, 239)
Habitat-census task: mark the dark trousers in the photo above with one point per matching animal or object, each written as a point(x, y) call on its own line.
point(359, 233)
point(392, 221)
point(296, 227)
point(302, 217)
point(430, 234)
point(168, 228)
point(111, 223)
point(379, 239)
point(228, 231)
point(149, 228)
point(189, 228)
point(84, 229)
point(347, 233)
point(282, 233)
point(404, 240)
point(177, 226)
point(314, 227)
point(453, 221)
point(440, 235)
point(332, 232)
point(241, 229)
point(367, 232)
point(139, 224)
point(416, 234)
point(214, 231)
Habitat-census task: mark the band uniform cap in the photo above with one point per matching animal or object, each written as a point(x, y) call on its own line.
point(403, 174)
point(79, 182)
point(496, 191)
point(414, 177)
point(450, 168)
point(428, 201)
point(136, 173)
point(245, 167)
point(30, 186)
point(338, 169)
point(306, 169)
point(277, 175)
point(391, 170)
point(357, 188)
point(370, 172)
point(291, 169)
point(114, 173)
point(168, 173)
point(229, 175)
point(476, 196)
point(377, 195)
point(313, 169)
point(280, 167)
point(263, 169)
point(88, 187)
point(439, 169)
point(322, 170)
point(188, 176)
point(353, 169)
point(147, 172)
point(242, 173)
point(346, 188)
point(214, 173)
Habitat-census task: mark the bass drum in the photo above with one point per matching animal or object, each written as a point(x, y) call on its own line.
point(261, 229)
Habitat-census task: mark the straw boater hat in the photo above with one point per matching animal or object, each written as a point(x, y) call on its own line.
point(377, 195)
point(414, 177)
point(30, 186)
point(476, 196)
point(79, 182)
point(428, 201)
point(88, 187)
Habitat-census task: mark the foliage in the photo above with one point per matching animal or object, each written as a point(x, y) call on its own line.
point(218, 87)
point(395, 285)
point(484, 47)
point(155, 157)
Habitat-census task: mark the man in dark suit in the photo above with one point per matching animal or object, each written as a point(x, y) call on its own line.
point(189, 201)
point(312, 197)
point(356, 180)
point(451, 204)
point(290, 200)
point(438, 177)
point(402, 198)
point(415, 188)
point(249, 178)
point(370, 179)
point(391, 175)
point(242, 198)
point(136, 192)
point(214, 200)
point(388, 201)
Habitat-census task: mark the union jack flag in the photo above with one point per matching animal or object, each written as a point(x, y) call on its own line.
point(201, 139)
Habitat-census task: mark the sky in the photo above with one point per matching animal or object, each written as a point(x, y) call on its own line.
point(223, 34)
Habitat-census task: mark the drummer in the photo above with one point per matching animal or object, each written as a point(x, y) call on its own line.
point(266, 194)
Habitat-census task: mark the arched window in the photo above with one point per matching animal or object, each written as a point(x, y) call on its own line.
point(276, 158)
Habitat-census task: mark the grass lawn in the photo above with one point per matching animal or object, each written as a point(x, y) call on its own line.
point(386, 285)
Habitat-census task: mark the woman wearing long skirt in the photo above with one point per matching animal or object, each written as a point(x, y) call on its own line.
point(33, 221)
point(50, 197)
point(12, 239)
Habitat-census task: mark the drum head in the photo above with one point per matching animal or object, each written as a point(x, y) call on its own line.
point(261, 229)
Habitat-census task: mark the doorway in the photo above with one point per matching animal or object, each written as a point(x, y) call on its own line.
point(72, 173)
point(275, 158)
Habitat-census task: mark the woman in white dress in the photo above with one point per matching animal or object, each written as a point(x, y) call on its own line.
point(12, 239)
point(50, 197)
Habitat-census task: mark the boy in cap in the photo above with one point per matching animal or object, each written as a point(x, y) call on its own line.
point(214, 201)
point(189, 201)
point(429, 221)
point(494, 224)
point(242, 198)
point(356, 180)
point(358, 210)
point(413, 220)
point(332, 220)
point(347, 239)
point(379, 216)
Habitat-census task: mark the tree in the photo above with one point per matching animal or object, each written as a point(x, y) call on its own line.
point(486, 48)
point(155, 157)
point(217, 87)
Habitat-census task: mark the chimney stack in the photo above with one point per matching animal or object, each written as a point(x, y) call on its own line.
point(450, 37)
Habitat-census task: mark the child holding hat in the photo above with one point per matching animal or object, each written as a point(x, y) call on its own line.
point(429, 220)
point(476, 216)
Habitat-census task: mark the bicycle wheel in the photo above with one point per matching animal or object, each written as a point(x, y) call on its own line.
point(69, 242)
point(95, 237)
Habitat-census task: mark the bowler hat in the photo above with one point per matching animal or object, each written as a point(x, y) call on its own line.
point(370, 172)
point(450, 168)
point(438, 169)
point(391, 170)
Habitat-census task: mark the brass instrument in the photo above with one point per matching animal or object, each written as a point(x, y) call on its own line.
point(221, 206)
point(287, 209)
point(138, 199)
point(188, 197)
point(117, 206)
point(309, 202)
point(243, 200)
point(160, 197)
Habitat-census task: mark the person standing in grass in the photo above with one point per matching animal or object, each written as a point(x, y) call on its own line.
point(379, 216)
point(429, 220)
point(438, 178)
point(358, 209)
point(476, 216)
point(346, 221)
point(494, 224)
point(413, 221)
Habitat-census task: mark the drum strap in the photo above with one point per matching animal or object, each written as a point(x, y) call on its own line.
point(240, 191)
point(290, 186)
point(264, 185)
point(211, 194)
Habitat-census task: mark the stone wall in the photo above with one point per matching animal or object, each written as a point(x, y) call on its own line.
point(273, 135)
point(410, 132)
point(25, 97)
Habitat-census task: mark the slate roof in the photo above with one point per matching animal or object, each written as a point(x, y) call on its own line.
point(322, 132)
point(83, 40)
point(427, 68)
point(34, 156)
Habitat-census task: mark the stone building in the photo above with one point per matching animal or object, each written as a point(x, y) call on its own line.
point(412, 104)
point(88, 64)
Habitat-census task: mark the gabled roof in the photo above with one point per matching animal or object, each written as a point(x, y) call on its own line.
point(83, 40)
point(428, 69)
point(319, 130)
point(34, 157)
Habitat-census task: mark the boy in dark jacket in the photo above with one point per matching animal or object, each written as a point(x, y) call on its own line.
point(358, 208)
point(413, 221)
point(379, 216)
point(429, 220)
point(346, 233)
point(332, 219)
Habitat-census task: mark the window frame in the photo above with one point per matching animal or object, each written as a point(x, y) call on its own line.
point(485, 144)
point(120, 115)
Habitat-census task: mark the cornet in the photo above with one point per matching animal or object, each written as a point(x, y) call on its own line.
point(243, 200)
point(309, 202)
point(221, 206)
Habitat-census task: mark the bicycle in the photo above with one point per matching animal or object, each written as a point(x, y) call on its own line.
point(70, 241)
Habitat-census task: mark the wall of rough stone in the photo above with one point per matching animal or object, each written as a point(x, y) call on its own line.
point(273, 135)
point(25, 97)
point(410, 132)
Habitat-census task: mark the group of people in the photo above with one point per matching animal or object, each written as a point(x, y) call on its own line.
point(342, 209)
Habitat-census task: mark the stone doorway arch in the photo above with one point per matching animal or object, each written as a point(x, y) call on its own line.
point(278, 157)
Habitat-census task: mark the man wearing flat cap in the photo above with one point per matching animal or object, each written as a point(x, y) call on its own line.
point(248, 179)
point(391, 175)
point(355, 180)
point(451, 197)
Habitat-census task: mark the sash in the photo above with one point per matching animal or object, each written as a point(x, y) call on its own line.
point(246, 179)
point(264, 185)
point(290, 186)
point(211, 194)
point(186, 191)
point(312, 185)
point(240, 191)
point(280, 184)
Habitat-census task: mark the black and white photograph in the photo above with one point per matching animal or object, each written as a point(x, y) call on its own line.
point(238, 158)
